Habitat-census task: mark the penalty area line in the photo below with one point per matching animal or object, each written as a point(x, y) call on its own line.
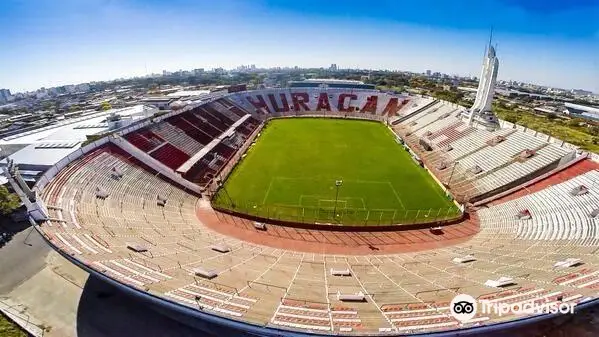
point(267, 191)
point(396, 195)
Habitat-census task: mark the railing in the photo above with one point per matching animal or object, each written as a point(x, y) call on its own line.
point(332, 214)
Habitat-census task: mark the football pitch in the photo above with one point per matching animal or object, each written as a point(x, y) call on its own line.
point(332, 171)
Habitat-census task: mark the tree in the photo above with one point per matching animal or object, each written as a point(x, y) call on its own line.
point(92, 138)
point(574, 122)
point(551, 116)
point(511, 117)
point(593, 130)
point(502, 105)
point(105, 106)
point(8, 201)
point(47, 105)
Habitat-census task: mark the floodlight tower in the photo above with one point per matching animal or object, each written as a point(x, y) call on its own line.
point(338, 184)
point(451, 174)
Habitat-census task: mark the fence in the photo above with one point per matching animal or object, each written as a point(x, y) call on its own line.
point(335, 213)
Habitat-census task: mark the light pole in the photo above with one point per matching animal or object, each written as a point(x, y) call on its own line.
point(337, 185)
point(451, 174)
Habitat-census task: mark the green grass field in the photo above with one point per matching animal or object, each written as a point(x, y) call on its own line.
point(291, 170)
point(9, 329)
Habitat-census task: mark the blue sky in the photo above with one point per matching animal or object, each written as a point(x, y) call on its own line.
point(55, 42)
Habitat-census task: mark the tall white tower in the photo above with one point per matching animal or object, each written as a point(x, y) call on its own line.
point(481, 111)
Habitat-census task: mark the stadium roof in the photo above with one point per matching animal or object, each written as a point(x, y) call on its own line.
point(187, 93)
point(44, 147)
point(582, 110)
point(158, 98)
point(589, 109)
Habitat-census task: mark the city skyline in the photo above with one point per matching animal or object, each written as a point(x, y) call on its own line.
point(257, 69)
point(75, 42)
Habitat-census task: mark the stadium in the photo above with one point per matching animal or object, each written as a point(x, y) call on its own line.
point(329, 210)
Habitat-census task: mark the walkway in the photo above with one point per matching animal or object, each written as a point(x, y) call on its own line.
point(338, 242)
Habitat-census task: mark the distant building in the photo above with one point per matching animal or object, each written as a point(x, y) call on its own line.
point(581, 92)
point(545, 110)
point(333, 67)
point(35, 149)
point(582, 111)
point(5, 95)
point(41, 94)
point(237, 88)
point(161, 102)
point(330, 83)
point(428, 72)
point(188, 94)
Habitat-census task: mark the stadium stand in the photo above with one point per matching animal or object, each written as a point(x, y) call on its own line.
point(574, 169)
point(123, 219)
point(179, 139)
point(556, 212)
point(129, 236)
point(169, 155)
point(191, 130)
point(145, 140)
point(208, 127)
point(413, 108)
point(343, 102)
point(476, 163)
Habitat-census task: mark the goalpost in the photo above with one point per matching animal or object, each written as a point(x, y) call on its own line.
point(328, 203)
point(328, 207)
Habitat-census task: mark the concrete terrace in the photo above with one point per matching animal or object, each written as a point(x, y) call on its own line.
point(126, 235)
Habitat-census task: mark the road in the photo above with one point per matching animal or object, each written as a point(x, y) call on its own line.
point(21, 258)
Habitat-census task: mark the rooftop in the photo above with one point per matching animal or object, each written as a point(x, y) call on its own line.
point(186, 93)
point(585, 108)
point(47, 145)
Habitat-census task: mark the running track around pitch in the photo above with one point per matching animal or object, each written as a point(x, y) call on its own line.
point(339, 242)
